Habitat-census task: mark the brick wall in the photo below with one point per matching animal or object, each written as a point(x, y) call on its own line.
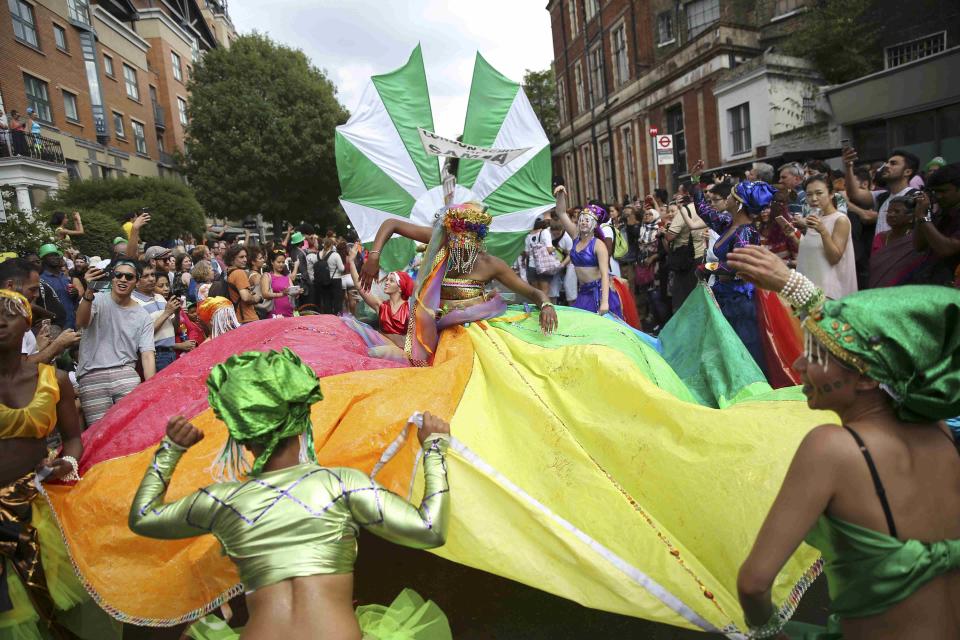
point(115, 99)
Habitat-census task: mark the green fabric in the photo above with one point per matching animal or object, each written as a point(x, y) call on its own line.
point(909, 339)
point(405, 95)
point(264, 398)
point(868, 571)
point(491, 96)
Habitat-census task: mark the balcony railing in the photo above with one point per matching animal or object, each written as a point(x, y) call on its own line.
point(159, 117)
point(27, 145)
point(167, 158)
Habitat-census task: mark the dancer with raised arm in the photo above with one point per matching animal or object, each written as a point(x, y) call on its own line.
point(289, 524)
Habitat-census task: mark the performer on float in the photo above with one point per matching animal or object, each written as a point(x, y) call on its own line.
point(590, 258)
point(37, 582)
point(218, 314)
point(735, 224)
point(291, 526)
point(878, 496)
point(451, 285)
point(394, 312)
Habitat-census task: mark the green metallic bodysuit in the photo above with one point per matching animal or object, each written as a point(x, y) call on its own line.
point(297, 521)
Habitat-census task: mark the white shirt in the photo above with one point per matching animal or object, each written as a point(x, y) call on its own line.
point(882, 211)
point(29, 345)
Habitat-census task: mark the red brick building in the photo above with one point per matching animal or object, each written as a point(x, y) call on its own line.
point(625, 66)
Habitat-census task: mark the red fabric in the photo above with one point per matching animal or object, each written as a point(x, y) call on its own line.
point(781, 338)
point(139, 421)
point(191, 329)
point(627, 303)
point(394, 322)
point(406, 284)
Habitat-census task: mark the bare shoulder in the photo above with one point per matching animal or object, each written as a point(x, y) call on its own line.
point(827, 443)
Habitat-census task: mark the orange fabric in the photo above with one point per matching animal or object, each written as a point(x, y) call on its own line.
point(143, 580)
point(781, 338)
point(627, 303)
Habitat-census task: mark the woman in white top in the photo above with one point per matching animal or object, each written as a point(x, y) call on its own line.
point(826, 251)
point(330, 294)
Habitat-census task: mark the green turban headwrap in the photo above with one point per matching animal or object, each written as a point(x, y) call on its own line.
point(906, 338)
point(263, 398)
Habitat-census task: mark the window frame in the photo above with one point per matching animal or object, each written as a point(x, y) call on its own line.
point(572, 14)
point(108, 62)
point(710, 6)
point(177, 65)
point(620, 75)
point(941, 37)
point(607, 178)
point(595, 72)
point(561, 99)
point(79, 14)
point(138, 139)
point(128, 83)
point(182, 111)
point(672, 36)
point(121, 133)
point(76, 106)
point(739, 128)
point(590, 10)
point(629, 158)
point(24, 24)
point(58, 30)
point(38, 103)
point(679, 136)
point(580, 87)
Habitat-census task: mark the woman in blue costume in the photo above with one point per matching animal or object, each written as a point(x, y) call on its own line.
point(876, 494)
point(742, 205)
point(590, 258)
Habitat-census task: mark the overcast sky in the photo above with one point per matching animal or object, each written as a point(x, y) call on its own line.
point(354, 39)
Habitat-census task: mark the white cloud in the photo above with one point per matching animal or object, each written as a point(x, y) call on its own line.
point(354, 39)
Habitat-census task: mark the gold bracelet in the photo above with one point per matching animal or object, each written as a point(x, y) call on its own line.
point(545, 305)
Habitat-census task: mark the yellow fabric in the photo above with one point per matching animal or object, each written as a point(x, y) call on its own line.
point(37, 419)
point(141, 580)
point(606, 461)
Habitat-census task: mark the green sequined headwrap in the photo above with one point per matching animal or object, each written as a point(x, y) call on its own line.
point(906, 338)
point(263, 398)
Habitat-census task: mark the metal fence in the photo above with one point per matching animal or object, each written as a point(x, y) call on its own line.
point(28, 145)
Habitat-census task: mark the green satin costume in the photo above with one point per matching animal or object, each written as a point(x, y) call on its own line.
point(297, 521)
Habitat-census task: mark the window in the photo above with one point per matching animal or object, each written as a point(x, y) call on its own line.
point(130, 79)
point(629, 160)
point(621, 68)
point(160, 146)
point(79, 10)
point(24, 26)
point(578, 80)
point(139, 136)
point(38, 98)
point(108, 65)
point(738, 119)
point(182, 108)
point(60, 37)
point(915, 49)
point(675, 127)
point(783, 7)
point(561, 100)
point(700, 15)
point(592, 7)
point(572, 8)
point(177, 69)
point(118, 125)
point(70, 106)
point(606, 172)
point(596, 76)
point(586, 156)
point(665, 27)
point(571, 178)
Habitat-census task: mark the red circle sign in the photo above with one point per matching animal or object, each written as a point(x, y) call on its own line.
point(664, 141)
point(654, 131)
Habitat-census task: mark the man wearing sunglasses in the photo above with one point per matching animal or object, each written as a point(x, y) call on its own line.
point(116, 333)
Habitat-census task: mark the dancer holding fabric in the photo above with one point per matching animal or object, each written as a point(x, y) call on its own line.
point(878, 496)
point(394, 312)
point(291, 526)
point(591, 258)
point(37, 582)
point(451, 285)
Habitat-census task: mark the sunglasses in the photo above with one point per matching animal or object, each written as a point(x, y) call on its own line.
point(122, 275)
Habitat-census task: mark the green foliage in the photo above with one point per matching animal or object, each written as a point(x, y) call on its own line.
point(261, 133)
point(21, 232)
point(541, 89)
point(841, 38)
point(103, 203)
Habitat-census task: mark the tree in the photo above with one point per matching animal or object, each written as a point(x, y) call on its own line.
point(840, 37)
point(541, 89)
point(22, 231)
point(261, 133)
point(103, 203)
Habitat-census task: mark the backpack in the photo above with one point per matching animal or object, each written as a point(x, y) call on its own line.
point(620, 246)
point(321, 276)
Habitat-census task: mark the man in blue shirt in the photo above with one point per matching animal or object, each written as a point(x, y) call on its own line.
point(51, 259)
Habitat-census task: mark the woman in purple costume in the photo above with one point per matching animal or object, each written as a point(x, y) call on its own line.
point(590, 258)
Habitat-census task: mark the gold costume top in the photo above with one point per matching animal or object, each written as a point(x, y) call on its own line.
point(297, 521)
point(37, 419)
point(461, 288)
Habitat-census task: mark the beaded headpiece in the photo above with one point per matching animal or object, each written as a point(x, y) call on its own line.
point(14, 303)
point(466, 225)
